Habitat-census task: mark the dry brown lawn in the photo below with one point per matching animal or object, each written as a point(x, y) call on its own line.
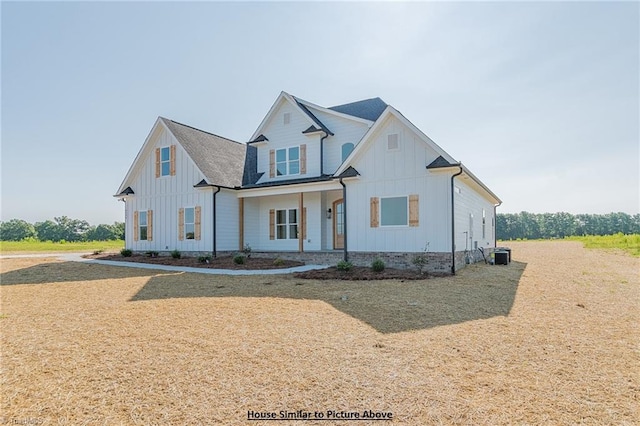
point(550, 339)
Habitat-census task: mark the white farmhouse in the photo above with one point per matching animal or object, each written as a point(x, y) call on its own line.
point(354, 181)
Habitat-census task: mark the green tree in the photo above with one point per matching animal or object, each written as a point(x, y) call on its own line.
point(48, 231)
point(16, 230)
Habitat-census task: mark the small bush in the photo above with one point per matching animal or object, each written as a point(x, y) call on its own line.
point(420, 261)
point(238, 259)
point(344, 266)
point(98, 251)
point(176, 254)
point(204, 259)
point(126, 252)
point(377, 265)
point(152, 253)
point(278, 262)
point(247, 250)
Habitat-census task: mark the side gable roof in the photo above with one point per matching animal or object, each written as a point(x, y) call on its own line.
point(220, 160)
point(369, 109)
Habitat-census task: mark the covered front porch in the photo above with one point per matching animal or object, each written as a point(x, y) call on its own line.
point(299, 218)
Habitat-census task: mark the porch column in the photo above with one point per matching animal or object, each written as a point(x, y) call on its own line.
point(301, 224)
point(241, 223)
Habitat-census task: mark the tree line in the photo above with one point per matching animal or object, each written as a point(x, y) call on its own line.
point(525, 225)
point(60, 229)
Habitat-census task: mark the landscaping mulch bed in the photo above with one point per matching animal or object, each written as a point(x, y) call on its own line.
point(223, 262)
point(361, 273)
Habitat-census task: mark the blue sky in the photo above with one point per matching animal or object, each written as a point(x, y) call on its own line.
point(540, 100)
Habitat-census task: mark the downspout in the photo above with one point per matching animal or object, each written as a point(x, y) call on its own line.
point(453, 222)
point(495, 224)
point(344, 212)
point(215, 253)
point(326, 135)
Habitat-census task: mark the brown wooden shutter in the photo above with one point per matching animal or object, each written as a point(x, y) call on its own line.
point(272, 163)
point(172, 158)
point(180, 224)
point(414, 216)
point(374, 208)
point(304, 223)
point(303, 159)
point(272, 224)
point(149, 225)
point(157, 162)
point(135, 226)
point(198, 222)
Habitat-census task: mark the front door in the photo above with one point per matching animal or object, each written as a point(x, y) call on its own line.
point(338, 224)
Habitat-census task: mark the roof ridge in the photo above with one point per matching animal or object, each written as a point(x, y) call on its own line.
point(361, 100)
point(200, 130)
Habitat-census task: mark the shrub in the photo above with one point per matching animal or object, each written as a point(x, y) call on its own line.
point(238, 259)
point(204, 259)
point(278, 262)
point(152, 253)
point(377, 265)
point(247, 250)
point(421, 260)
point(126, 252)
point(344, 266)
point(176, 254)
point(98, 251)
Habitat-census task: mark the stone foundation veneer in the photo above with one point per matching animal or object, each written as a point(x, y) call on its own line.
point(436, 262)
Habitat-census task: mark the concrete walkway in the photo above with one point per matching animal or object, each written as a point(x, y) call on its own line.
point(77, 257)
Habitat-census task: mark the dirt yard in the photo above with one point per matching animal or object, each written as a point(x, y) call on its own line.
point(552, 338)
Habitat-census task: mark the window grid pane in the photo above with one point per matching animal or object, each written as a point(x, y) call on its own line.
point(393, 211)
point(189, 215)
point(165, 154)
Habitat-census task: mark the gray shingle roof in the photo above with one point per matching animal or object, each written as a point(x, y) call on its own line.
point(369, 109)
point(220, 159)
point(313, 117)
point(439, 163)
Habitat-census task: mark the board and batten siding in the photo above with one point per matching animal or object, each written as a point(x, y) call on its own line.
point(165, 195)
point(403, 172)
point(289, 135)
point(344, 130)
point(469, 202)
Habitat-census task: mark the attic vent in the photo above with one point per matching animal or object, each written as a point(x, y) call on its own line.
point(287, 117)
point(393, 142)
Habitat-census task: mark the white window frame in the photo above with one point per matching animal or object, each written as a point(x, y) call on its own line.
point(185, 223)
point(406, 224)
point(143, 214)
point(167, 161)
point(287, 161)
point(287, 225)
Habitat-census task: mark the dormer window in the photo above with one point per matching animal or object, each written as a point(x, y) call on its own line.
point(287, 117)
point(288, 161)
